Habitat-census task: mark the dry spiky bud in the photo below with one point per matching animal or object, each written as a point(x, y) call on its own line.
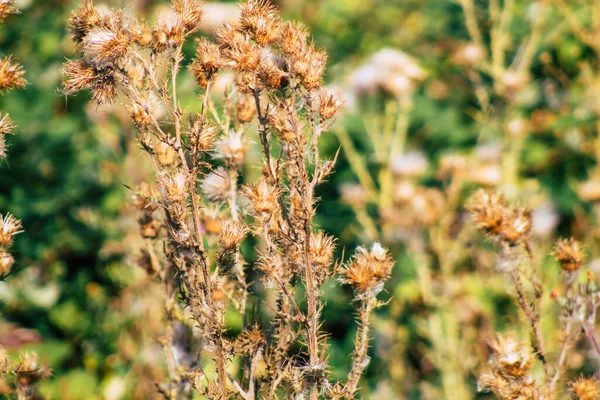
point(322, 247)
point(231, 147)
point(586, 388)
point(309, 65)
point(292, 38)
point(260, 19)
point(84, 19)
point(7, 126)
point(104, 90)
point(9, 227)
point(207, 61)
point(11, 75)
point(249, 340)
point(7, 7)
point(216, 186)
point(165, 154)
point(106, 45)
point(270, 73)
point(329, 104)
point(80, 76)
point(28, 371)
point(262, 196)
point(190, 12)
point(244, 54)
point(141, 34)
point(245, 108)
point(168, 32)
point(144, 199)
point(368, 270)
point(175, 187)
point(509, 358)
point(232, 234)
point(6, 263)
point(569, 253)
point(516, 224)
point(487, 210)
point(201, 135)
point(3, 146)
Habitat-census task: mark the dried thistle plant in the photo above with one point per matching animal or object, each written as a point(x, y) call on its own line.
point(192, 217)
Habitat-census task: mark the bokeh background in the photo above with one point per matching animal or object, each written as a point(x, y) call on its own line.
point(77, 298)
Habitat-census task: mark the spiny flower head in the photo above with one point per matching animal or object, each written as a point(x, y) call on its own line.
point(368, 270)
point(11, 75)
point(262, 196)
point(231, 147)
point(106, 45)
point(201, 135)
point(9, 227)
point(309, 64)
point(292, 38)
point(487, 210)
point(509, 358)
point(190, 12)
point(175, 187)
point(7, 126)
point(329, 104)
point(586, 388)
point(168, 32)
point(232, 234)
point(216, 186)
point(516, 224)
point(207, 61)
point(80, 75)
point(7, 7)
point(260, 19)
point(569, 253)
point(83, 20)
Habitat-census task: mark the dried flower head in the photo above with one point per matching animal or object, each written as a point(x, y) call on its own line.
point(168, 32)
point(9, 227)
point(216, 186)
point(487, 210)
point(245, 108)
point(207, 61)
point(106, 45)
point(510, 358)
point(202, 136)
point(83, 20)
point(309, 65)
point(3, 146)
point(569, 253)
point(292, 38)
point(175, 187)
point(231, 147)
point(329, 104)
point(260, 19)
point(262, 196)
point(6, 263)
point(11, 75)
point(516, 224)
point(368, 270)
point(80, 76)
point(190, 12)
point(586, 388)
point(165, 154)
point(7, 126)
point(232, 234)
point(244, 55)
point(7, 7)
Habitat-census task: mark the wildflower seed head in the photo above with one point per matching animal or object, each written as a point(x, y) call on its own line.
point(80, 75)
point(190, 12)
point(106, 45)
point(7, 126)
point(309, 66)
point(249, 340)
point(3, 146)
point(208, 60)
point(569, 253)
point(260, 19)
point(586, 388)
point(321, 249)
point(232, 234)
point(165, 155)
point(262, 196)
point(292, 38)
point(141, 34)
point(144, 198)
point(244, 55)
point(7, 7)
point(487, 210)
point(84, 19)
point(368, 270)
point(175, 187)
point(201, 135)
point(6, 263)
point(231, 147)
point(245, 108)
point(270, 72)
point(9, 227)
point(329, 104)
point(509, 358)
point(168, 32)
point(11, 75)
point(516, 224)
point(216, 186)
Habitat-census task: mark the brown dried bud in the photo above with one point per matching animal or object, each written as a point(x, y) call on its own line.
point(84, 19)
point(190, 12)
point(9, 227)
point(309, 65)
point(80, 76)
point(232, 234)
point(516, 224)
point(487, 210)
point(6, 263)
point(11, 75)
point(329, 104)
point(270, 73)
point(175, 187)
point(368, 270)
point(7, 126)
point(586, 388)
point(106, 45)
point(168, 32)
point(207, 62)
point(292, 38)
point(260, 19)
point(201, 135)
point(569, 253)
point(262, 196)
point(165, 154)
